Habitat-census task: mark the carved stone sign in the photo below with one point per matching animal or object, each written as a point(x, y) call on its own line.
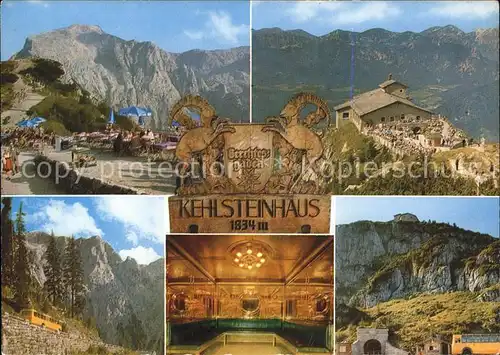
point(250, 177)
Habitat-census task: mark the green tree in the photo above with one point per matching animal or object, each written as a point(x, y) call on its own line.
point(132, 335)
point(22, 280)
point(73, 277)
point(7, 243)
point(54, 273)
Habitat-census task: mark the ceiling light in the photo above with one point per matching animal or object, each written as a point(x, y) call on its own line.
point(248, 255)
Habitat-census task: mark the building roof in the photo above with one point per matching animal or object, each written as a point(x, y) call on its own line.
point(390, 82)
point(434, 135)
point(374, 100)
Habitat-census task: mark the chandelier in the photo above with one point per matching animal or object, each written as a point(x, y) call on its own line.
point(249, 256)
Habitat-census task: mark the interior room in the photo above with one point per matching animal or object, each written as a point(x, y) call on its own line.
point(249, 294)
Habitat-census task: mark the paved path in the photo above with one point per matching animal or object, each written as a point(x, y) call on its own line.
point(151, 178)
point(17, 112)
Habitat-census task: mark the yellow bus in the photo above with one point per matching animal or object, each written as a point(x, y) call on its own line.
point(40, 319)
point(476, 344)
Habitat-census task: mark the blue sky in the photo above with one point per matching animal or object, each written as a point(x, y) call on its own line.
point(320, 18)
point(175, 26)
point(479, 214)
point(132, 225)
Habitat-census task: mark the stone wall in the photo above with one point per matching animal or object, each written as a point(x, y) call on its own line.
point(69, 183)
point(19, 337)
point(380, 335)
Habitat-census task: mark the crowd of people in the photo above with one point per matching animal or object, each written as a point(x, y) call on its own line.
point(28, 137)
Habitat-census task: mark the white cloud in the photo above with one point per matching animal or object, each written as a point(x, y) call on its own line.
point(369, 11)
point(140, 254)
point(304, 11)
point(133, 237)
point(465, 9)
point(342, 12)
point(65, 219)
point(219, 26)
point(143, 217)
point(195, 35)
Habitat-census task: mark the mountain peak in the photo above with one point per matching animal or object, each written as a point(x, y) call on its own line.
point(448, 29)
point(77, 28)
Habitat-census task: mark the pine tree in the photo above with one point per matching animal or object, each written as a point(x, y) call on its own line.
point(22, 280)
point(73, 277)
point(7, 243)
point(54, 273)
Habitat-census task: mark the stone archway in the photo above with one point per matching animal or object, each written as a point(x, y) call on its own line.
point(372, 347)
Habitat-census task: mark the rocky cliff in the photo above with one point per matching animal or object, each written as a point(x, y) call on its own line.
point(116, 289)
point(447, 70)
point(124, 73)
point(381, 261)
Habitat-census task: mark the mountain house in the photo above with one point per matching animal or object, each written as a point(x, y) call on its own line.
point(405, 217)
point(388, 103)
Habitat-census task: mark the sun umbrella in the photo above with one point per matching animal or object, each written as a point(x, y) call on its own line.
point(26, 123)
point(38, 120)
point(135, 111)
point(111, 116)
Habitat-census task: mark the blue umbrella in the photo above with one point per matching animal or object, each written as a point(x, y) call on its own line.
point(135, 111)
point(38, 120)
point(111, 116)
point(26, 123)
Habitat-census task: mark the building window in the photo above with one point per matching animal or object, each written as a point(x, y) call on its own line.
point(345, 115)
point(400, 90)
point(418, 117)
point(431, 348)
point(392, 118)
point(402, 116)
point(382, 119)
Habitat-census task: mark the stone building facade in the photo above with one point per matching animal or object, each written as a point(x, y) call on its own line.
point(405, 217)
point(388, 103)
point(374, 342)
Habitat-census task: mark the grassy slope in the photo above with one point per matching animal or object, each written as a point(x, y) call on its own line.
point(412, 321)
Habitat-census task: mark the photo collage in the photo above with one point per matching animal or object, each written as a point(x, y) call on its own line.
point(250, 177)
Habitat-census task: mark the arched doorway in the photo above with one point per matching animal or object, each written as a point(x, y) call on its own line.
point(372, 347)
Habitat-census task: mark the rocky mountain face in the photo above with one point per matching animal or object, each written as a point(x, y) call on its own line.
point(381, 261)
point(124, 73)
point(116, 289)
point(450, 71)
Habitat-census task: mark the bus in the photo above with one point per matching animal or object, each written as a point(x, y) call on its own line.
point(475, 344)
point(41, 319)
